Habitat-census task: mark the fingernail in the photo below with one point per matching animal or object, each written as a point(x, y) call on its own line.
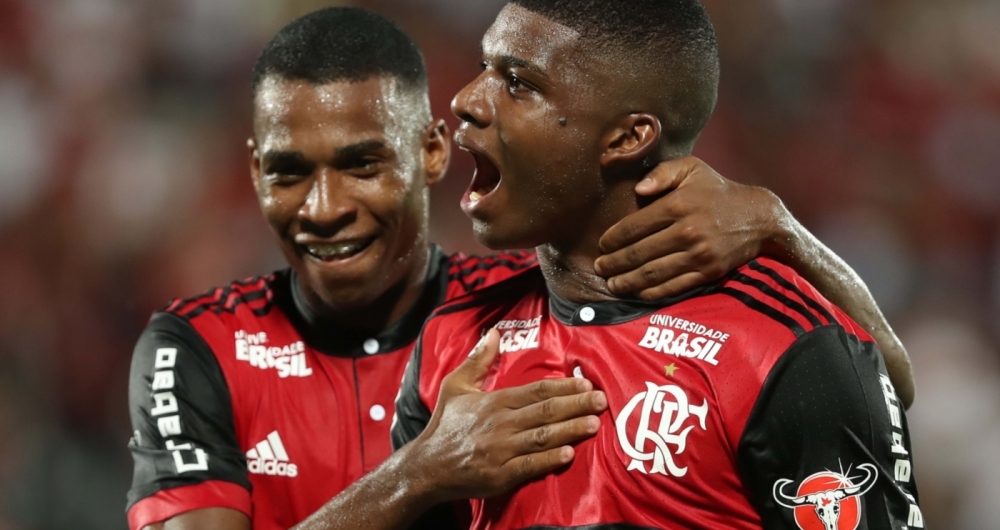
point(600, 400)
point(566, 454)
point(593, 424)
point(479, 345)
point(644, 185)
point(612, 284)
point(584, 385)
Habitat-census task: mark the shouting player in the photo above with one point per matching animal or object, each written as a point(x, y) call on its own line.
point(751, 402)
point(259, 403)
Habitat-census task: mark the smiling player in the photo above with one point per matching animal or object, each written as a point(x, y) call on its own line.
point(751, 402)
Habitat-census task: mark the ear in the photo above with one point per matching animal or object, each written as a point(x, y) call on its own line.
point(254, 161)
point(632, 139)
point(436, 151)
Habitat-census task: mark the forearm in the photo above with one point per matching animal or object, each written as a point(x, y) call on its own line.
point(799, 249)
point(390, 497)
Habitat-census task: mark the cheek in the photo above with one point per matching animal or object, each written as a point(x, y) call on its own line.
point(278, 206)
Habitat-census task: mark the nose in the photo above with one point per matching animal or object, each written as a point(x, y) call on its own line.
point(329, 206)
point(471, 104)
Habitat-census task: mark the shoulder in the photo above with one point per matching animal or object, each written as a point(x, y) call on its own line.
point(774, 292)
point(255, 294)
point(467, 273)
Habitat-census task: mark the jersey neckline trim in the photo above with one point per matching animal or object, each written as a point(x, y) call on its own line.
point(334, 339)
point(613, 312)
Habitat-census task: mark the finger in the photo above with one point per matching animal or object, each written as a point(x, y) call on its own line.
point(640, 224)
point(539, 391)
point(656, 245)
point(652, 274)
point(676, 286)
point(667, 175)
point(473, 370)
point(524, 468)
point(558, 409)
point(556, 435)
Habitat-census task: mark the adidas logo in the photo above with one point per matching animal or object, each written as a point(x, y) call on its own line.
point(269, 458)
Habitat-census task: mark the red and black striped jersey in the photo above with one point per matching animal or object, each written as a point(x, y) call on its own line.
point(242, 398)
point(749, 403)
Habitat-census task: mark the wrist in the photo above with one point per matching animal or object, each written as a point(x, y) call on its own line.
point(782, 240)
point(418, 478)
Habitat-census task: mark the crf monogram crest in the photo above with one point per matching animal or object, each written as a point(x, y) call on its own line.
point(659, 442)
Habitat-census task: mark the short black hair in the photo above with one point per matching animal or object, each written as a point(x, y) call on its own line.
point(674, 38)
point(341, 44)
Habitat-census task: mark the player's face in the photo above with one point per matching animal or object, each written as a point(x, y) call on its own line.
point(537, 176)
point(341, 171)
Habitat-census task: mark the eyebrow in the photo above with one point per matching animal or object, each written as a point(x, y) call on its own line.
point(360, 148)
point(283, 157)
point(521, 63)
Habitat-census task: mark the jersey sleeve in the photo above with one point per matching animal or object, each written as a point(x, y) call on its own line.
point(827, 440)
point(185, 452)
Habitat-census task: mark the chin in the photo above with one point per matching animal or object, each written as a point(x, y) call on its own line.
point(495, 237)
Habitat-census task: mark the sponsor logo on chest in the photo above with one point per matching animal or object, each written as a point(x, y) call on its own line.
point(269, 457)
point(288, 360)
point(683, 338)
point(517, 335)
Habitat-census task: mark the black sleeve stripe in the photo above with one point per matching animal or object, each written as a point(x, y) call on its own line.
point(412, 414)
point(780, 280)
point(764, 309)
point(773, 293)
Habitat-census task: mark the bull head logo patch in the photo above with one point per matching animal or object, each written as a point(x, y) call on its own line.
point(827, 500)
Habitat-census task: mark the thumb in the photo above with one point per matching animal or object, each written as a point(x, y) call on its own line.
point(473, 371)
point(668, 175)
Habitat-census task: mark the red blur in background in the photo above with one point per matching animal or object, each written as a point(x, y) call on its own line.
point(124, 182)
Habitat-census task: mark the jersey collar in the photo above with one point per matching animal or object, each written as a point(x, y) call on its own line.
point(333, 339)
point(611, 312)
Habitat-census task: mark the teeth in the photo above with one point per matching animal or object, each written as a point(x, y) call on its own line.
point(334, 250)
point(475, 196)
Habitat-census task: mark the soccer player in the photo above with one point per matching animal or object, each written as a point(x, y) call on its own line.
point(751, 402)
point(259, 403)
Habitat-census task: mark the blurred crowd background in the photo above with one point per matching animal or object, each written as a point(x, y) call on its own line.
point(124, 183)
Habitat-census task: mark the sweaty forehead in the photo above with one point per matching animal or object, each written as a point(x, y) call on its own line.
point(290, 113)
point(528, 36)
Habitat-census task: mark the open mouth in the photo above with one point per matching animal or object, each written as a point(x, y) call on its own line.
point(485, 180)
point(337, 251)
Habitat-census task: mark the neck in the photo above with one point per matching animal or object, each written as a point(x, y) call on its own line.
point(379, 314)
point(568, 264)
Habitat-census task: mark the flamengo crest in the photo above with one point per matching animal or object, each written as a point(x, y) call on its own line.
point(661, 439)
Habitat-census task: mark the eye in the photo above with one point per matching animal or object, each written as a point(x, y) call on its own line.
point(514, 83)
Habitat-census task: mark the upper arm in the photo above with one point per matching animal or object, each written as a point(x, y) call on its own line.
point(205, 519)
point(184, 445)
point(828, 434)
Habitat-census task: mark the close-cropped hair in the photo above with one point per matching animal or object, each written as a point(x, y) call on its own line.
point(341, 44)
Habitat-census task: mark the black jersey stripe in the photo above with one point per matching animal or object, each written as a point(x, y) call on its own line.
point(782, 281)
point(764, 309)
point(224, 301)
point(492, 264)
point(780, 297)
